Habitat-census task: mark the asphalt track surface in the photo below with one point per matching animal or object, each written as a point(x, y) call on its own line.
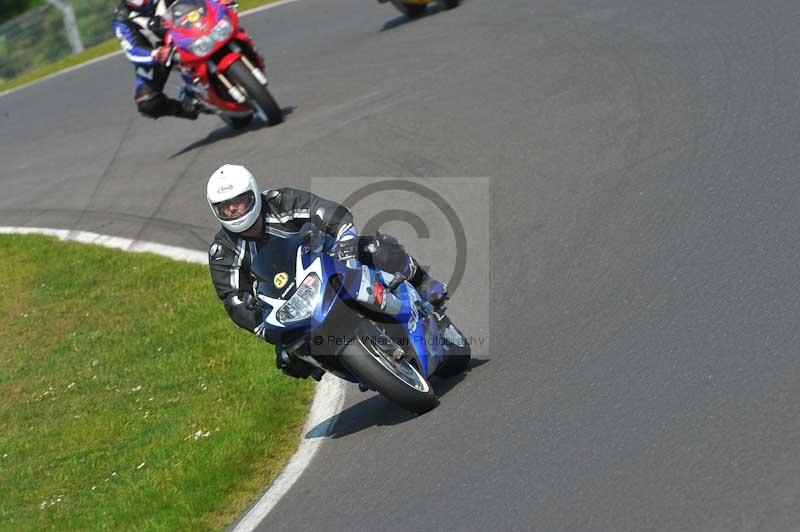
point(642, 248)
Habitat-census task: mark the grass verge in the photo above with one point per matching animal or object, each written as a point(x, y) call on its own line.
point(127, 400)
point(99, 50)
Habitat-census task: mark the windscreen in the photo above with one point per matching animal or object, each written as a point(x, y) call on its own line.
point(274, 266)
point(185, 13)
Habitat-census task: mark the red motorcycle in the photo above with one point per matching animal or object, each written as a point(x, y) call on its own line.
point(218, 62)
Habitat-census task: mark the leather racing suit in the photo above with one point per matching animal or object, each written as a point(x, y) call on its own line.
point(140, 40)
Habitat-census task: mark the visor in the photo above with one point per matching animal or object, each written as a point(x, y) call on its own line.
point(236, 207)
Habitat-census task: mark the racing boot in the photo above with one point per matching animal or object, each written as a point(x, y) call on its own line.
point(189, 107)
point(386, 253)
point(157, 105)
point(190, 102)
point(433, 291)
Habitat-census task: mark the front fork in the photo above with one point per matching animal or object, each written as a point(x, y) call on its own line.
point(257, 72)
point(235, 92)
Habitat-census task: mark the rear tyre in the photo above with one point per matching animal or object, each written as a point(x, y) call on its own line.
point(257, 94)
point(450, 4)
point(398, 381)
point(409, 10)
point(458, 356)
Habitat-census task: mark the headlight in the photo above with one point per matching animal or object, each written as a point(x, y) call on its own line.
point(222, 30)
point(304, 301)
point(204, 45)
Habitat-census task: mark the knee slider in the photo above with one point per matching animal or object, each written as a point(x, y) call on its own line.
point(151, 104)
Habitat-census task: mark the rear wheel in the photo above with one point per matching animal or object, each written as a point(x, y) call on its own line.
point(257, 94)
point(459, 352)
point(398, 380)
point(409, 10)
point(450, 4)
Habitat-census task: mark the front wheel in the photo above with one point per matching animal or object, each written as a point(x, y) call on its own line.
point(398, 380)
point(257, 94)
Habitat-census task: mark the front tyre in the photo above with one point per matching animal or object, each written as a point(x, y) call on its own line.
point(257, 94)
point(397, 380)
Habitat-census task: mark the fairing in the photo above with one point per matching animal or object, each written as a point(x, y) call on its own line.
point(283, 263)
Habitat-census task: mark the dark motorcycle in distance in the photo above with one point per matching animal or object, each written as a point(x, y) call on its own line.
point(416, 8)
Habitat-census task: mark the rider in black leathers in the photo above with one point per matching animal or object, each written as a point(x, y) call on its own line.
point(274, 214)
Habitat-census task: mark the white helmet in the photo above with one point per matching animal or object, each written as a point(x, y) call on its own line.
point(234, 197)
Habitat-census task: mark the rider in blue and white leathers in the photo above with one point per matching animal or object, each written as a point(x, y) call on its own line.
point(250, 218)
point(143, 47)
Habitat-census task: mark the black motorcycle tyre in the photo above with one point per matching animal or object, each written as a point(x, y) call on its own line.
point(356, 357)
point(458, 358)
point(255, 92)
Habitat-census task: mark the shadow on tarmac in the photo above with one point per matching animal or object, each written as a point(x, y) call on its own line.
point(378, 412)
point(225, 132)
point(403, 19)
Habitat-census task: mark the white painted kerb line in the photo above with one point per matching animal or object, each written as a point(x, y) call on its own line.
point(327, 404)
point(328, 399)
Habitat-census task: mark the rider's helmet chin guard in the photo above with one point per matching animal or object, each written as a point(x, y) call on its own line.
point(137, 5)
point(234, 197)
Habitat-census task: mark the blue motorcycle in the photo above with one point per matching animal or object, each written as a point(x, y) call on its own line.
point(361, 324)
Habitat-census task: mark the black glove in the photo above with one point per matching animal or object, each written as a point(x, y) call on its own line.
point(251, 302)
point(345, 249)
